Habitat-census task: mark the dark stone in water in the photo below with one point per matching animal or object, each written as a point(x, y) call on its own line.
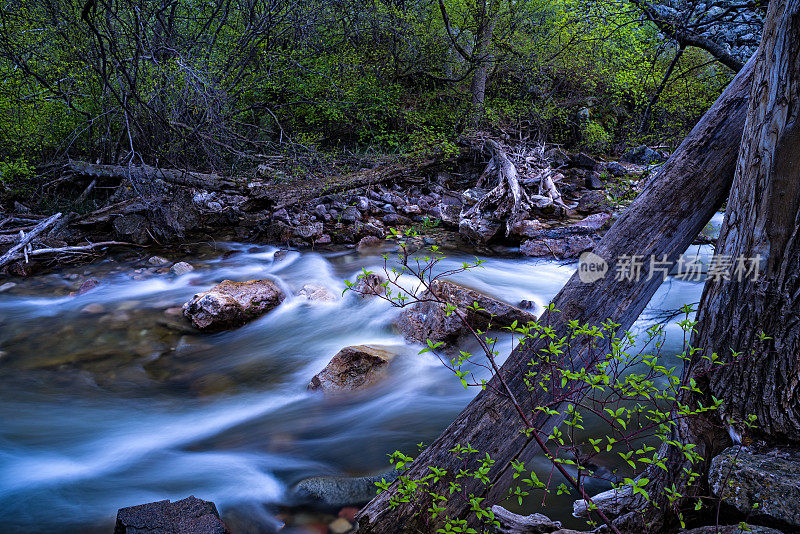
point(187, 516)
point(353, 368)
point(428, 320)
point(338, 492)
point(526, 305)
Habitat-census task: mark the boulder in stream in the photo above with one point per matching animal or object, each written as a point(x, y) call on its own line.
point(429, 321)
point(187, 516)
point(181, 268)
point(352, 368)
point(230, 304)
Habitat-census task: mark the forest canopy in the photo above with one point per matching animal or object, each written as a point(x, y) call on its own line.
point(222, 85)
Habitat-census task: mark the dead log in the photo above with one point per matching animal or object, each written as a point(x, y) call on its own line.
point(511, 523)
point(548, 187)
point(293, 193)
point(76, 249)
point(26, 239)
point(506, 201)
point(671, 210)
point(211, 182)
point(106, 213)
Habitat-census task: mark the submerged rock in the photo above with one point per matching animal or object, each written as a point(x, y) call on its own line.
point(429, 320)
point(88, 285)
point(316, 292)
point(353, 368)
point(231, 304)
point(338, 492)
point(187, 516)
point(765, 486)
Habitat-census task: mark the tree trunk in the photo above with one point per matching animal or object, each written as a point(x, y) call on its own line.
point(663, 220)
point(762, 378)
point(762, 219)
point(483, 58)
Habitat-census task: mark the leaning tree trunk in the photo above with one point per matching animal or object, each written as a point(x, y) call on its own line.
point(763, 375)
point(663, 220)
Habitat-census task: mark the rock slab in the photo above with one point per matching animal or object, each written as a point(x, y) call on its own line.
point(230, 304)
point(187, 516)
point(764, 485)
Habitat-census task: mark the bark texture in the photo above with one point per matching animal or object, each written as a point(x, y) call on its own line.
point(663, 220)
point(762, 219)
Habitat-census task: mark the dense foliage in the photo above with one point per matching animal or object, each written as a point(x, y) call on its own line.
point(225, 84)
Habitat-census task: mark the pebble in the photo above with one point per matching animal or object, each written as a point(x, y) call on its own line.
point(88, 285)
point(340, 526)
point(157, 261)
point(348, 513)
point(93, 308)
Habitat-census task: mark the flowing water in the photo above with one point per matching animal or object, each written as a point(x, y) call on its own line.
point(108, 400)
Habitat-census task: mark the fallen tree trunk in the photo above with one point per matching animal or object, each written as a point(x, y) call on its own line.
point(293, 193)
point(669, 213)
point(211, 182)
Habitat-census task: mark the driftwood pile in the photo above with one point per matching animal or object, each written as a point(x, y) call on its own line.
point(28, 234)
point(509, 203)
